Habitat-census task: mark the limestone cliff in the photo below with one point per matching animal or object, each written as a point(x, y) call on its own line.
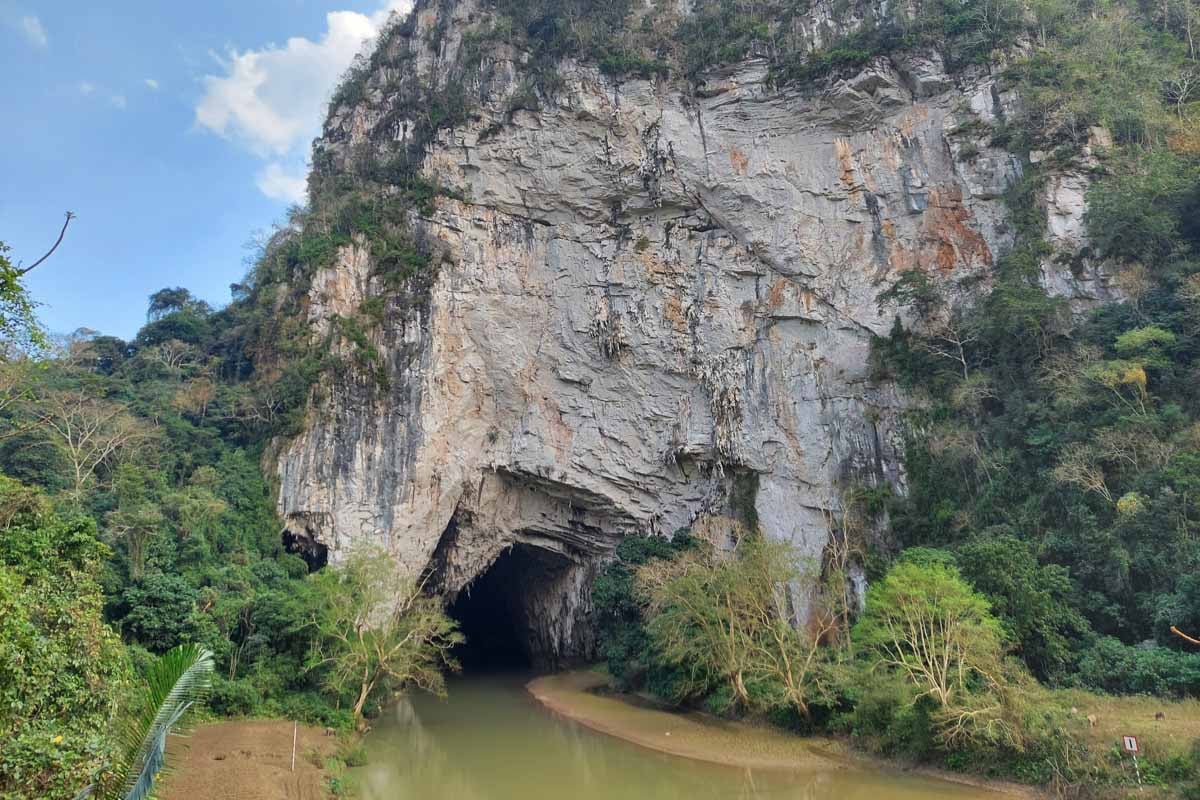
point(651, 295)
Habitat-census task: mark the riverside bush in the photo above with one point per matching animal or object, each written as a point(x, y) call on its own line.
point(624, 643)
point(1112, 666)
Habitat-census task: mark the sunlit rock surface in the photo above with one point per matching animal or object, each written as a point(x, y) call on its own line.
point(649, 294)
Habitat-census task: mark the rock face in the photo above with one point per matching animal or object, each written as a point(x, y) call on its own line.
point(654, 299)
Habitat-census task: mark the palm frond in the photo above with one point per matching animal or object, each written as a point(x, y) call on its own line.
point(177, 680)
point(155, 757)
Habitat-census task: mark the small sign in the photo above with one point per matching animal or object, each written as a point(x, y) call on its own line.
point(1131, 744)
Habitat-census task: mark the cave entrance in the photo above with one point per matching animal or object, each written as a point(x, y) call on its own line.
point(315, 554)
point(504, 613)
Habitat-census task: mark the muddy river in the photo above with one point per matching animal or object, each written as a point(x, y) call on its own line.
point(491, 740)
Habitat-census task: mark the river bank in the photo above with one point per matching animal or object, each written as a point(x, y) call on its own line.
point(491, 739)
point(497, 737)
point(248, 760)
point(702, 737)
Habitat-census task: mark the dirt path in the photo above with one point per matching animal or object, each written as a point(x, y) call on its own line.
point(247, 760)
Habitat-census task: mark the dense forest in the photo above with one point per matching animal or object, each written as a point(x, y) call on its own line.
point(1050, 529)
point(134, 468)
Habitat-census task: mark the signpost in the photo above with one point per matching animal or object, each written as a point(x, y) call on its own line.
point(1130, 744)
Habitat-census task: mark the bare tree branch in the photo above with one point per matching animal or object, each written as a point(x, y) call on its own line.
point(50, 252)
point(1183, 635)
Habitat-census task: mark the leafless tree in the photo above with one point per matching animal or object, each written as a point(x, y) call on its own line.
point(1080, 465)
point(1182, 89)
point(260, 408)
point(194, 397)
point(951, 340)
point(1135, 283)
point(173, 354)
point(1137, 449)
point(993, 19)
point(1191, 21)
point(89, 431)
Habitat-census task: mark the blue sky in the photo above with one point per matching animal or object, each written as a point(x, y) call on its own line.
point(175, 131)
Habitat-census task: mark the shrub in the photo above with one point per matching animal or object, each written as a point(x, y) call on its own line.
point(233, 698)
point(311, 708)
point(720, 617)
point(353, 755)
point(1117, 668)
point(619, 614)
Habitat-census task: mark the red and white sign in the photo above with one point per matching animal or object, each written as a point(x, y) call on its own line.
point(1131, 744)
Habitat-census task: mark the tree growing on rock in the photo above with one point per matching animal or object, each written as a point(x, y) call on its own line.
point(377, 634)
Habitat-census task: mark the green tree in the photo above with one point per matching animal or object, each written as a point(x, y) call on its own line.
point(138, 517)
point(1032, 599)
point(1134, 214)
point(198, 511)
point(620, 622)
point(377, 634)
point(727, 620)
point(924, 622)
point(19, 328)
point(62, 670)
point(160, 611)
point(169, 301)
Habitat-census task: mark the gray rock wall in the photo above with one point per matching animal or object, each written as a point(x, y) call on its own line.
point(650, 291)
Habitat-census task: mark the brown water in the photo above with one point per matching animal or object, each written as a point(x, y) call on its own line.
point(491, 741)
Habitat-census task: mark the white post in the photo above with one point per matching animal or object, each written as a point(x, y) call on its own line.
point(295, 730)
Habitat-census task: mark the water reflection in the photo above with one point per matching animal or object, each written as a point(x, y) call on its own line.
point(490, 741)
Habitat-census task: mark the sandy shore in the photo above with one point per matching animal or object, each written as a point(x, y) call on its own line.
point(705, 738)
point(247, 760)
point(689, 735)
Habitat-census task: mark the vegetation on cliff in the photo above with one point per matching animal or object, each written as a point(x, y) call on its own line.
point(1049, 528)
point(1053, 456)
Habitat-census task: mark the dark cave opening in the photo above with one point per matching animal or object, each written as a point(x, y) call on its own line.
point(497, 611)
point(315, 554)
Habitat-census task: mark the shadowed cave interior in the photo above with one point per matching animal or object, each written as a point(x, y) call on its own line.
point(503, 612)
point(315, 554)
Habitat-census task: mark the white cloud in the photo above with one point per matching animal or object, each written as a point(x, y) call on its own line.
point(278, 184)
point(115, 99)
point(34, 32)
point(271, 100)
point(151, 83)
